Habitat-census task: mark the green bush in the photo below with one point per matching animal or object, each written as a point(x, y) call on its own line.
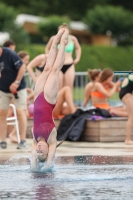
point(48, 27)
point(116, 19)
point(7, 24)
point(7, 18)
point(32, 49)
point(116, 58)
point(19, 35)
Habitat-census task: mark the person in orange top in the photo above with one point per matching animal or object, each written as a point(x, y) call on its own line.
point(103, 89)
point(93, 75)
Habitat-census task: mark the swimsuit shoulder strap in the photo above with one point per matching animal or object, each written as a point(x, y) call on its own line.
point(61, 142)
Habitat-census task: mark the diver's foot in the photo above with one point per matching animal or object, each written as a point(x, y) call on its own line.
point(58, 36)
point(64, 38)
point(129, 142)
point(13, 138)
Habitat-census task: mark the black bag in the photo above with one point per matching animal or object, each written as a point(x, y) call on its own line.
point(72, 126)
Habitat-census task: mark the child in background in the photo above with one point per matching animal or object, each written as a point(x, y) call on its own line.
point(93, 75)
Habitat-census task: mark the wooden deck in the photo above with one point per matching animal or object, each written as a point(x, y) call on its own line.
point(108, 130)
point(105, 130)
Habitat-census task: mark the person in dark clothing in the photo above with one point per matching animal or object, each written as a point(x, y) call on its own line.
point(12, 85)
point(127, 98)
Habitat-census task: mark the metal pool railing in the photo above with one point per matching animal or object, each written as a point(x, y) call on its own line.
point(81, 79)
point(29, 81)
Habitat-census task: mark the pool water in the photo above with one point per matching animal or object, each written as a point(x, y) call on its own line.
point(80, 177)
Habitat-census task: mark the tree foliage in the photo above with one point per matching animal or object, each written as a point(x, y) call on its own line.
point(7, 18)
point(75, 9)
point(19, 35)
point(116, 19)
point(7, 24)
point(126, 4)
point(49, 27)
point(94, 57)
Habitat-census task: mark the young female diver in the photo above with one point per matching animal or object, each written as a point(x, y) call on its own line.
point(67, 73)
point(127, 98)
point(46, 89)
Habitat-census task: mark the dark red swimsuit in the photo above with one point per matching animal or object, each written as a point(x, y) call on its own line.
point(43, 121)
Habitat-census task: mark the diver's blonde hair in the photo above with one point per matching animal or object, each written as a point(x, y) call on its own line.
point(41, 158)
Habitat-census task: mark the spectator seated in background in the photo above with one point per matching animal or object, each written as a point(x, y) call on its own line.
point(64, 104)
point(103, 89)
point(93, 75)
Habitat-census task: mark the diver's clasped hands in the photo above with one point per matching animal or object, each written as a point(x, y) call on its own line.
point(46, 167)
point(42, 167)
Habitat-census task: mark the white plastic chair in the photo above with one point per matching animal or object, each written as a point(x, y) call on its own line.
point(13, 121)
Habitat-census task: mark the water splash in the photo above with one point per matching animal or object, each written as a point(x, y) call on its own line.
point(17, 163)
point(41, 168)
point(18, 159)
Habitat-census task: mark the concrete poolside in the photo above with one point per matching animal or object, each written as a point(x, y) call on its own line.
point(74, 149)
